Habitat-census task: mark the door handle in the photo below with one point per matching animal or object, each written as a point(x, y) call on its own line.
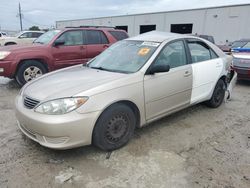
point(187, 73)
point(82, 47)
point(218, 65)
point(105, 46)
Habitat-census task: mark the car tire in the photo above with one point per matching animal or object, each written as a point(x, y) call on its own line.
point(218, 95)
point(29, 70)
point(114, 127)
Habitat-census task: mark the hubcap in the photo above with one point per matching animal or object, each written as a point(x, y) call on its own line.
point(32, 72)
point(117, 128)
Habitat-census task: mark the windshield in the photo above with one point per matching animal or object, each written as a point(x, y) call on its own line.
point(124, 56)
point(18, 34)
point(238, 44)
point(46, 37)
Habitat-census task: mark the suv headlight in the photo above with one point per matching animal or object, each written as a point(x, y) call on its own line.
point(61, 106)
point(3, 54)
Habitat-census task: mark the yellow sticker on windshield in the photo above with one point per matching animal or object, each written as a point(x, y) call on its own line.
point(143, 51)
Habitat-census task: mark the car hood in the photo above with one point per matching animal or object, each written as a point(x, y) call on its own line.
point(68, 82)
point(8, 37)
point(22, 48)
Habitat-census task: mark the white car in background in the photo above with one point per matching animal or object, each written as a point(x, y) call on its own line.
point(22, 38)
point(3, 34)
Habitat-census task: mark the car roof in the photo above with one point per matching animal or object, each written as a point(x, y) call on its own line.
point(32, 31)
point(159, 36)
point(92, 28)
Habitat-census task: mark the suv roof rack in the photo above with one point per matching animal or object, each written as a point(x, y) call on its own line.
point(91, 26)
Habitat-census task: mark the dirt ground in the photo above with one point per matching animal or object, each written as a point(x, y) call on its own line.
point(197, 147)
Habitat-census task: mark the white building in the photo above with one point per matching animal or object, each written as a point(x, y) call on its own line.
point(225, 23)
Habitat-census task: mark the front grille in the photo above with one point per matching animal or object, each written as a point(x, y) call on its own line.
point(30, 103)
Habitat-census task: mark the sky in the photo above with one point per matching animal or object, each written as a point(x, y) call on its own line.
point(44, 13)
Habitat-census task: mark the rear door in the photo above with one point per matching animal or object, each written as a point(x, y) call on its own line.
point(96, 42)
point(207, 68)
point(72, 52)
point(169, 91)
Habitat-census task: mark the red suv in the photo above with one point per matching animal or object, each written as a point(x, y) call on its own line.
point(56, 49)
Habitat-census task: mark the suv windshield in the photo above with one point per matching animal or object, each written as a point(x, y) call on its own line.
point(46, 37)
point(124, 56)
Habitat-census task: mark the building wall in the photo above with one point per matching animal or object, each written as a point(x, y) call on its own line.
point(224, 23)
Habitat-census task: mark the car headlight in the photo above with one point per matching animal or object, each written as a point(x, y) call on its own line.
point(4, 54)
point(61, 106)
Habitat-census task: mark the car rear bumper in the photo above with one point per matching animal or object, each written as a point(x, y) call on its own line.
point(56, 131)
point(5, 69)
point(243, 73)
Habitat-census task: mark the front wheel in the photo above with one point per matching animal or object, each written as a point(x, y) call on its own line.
point(218, 95)
point(29, 70)
point(114, 127)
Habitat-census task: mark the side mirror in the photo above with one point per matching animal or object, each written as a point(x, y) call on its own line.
point(158, 69)
point(59, 42)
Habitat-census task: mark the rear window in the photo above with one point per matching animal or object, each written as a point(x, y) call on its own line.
point(118, 35)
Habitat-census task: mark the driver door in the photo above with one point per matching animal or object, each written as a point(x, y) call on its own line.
point(169, 91)
point(72, 52)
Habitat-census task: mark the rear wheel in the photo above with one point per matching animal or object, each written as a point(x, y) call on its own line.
point(218, 95)
point(29, 70)
point(114, 127)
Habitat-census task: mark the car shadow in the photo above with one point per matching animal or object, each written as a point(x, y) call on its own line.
point(84, 151)
point(8, 83)
point(243, 82)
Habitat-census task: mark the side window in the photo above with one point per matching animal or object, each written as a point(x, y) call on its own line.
point(29, 34)
point(72, 38)
point(24, 35)
point(173, 54)
point(213, 54)
point(36, 35)
point(96, 37)
point(118, 35)
point(199, 51)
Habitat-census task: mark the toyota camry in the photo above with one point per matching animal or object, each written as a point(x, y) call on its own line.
point(132, 83)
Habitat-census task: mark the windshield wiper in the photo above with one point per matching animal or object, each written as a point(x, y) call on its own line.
point(111, 70)
point(100, 68)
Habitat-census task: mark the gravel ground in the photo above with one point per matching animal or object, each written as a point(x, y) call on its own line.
point(197, 147)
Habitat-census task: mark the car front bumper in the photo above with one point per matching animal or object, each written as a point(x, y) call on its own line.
point(5, 68)
point(56, 131)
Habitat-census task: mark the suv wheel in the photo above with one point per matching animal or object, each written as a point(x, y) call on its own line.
point(114, 127)
point(29, 70)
